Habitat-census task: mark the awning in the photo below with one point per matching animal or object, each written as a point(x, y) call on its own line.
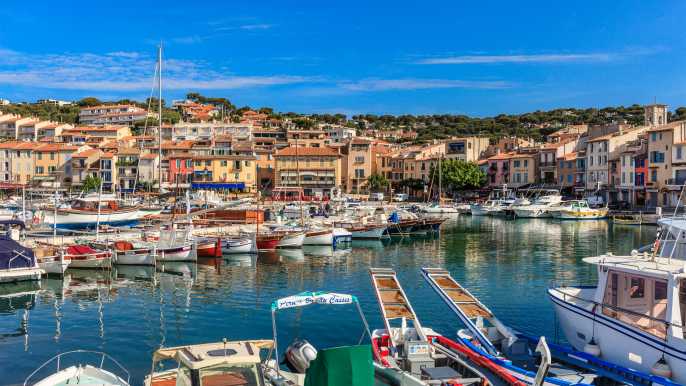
point(211, 185)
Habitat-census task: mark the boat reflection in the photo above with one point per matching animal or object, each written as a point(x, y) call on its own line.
point(240, 260)
point(325, 251)
point(134, 272)
point(17, 299)
point(294, 255)
point(181, 268)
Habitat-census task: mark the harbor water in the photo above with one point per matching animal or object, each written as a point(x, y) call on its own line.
point(131, 311)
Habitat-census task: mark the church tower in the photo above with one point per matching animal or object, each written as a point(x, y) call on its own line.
point(655, 114)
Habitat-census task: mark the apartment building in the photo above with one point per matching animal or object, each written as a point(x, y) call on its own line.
point(567, 170)
point(228, 172)
point(94, 135)
point(666, 163)
point(522, 169)
point(633, 170)
point(317, 170)
point(469, 149)
point(498, 172)
point(84, 163)
point(359, 164)
point(549, 154)
point(52, 163)
point(127, 161)
point(600, 151)
point(206, 131)
point(179, 167)
point(16, 162)
point(148, 169)
point(111, 115)
point(338, 133)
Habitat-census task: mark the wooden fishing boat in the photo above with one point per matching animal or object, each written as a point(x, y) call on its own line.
point(627, 219)
point(209, 247)
point(127, 253)
point(84, 256)
point(267, 241)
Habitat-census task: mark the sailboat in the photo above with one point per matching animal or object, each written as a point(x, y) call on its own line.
point(439, 207)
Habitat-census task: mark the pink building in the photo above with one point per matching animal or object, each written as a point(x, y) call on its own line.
point(498, 172)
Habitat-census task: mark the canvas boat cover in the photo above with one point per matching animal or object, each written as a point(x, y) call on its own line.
point(13, 255)
point(342, 366)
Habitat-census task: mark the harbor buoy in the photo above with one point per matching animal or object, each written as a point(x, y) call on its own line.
point(661, 368)
point(592, 348)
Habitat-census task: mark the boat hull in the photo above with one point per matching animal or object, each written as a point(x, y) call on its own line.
point(619, 343)
point(237, 246)
point(574, 215)
point(182, 253)
point(319, 238)
point(209, 248)
point(267, 243)
point(368, 232)
point(76, 219)
point(134, 257)
point(54, 266)
point(531, 213)
point(20, 274)
point(293, 240)
point(91, 262)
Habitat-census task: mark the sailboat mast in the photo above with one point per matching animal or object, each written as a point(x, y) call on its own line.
point(159, 129)
point(440, 180)
point(297, 171)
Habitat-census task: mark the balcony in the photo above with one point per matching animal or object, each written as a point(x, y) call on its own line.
point(547, 164)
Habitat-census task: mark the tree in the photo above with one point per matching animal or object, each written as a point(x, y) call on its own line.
point(459, 175)
point(412, 184)
point(377, 182)
point(91, 183)
point(89, 101)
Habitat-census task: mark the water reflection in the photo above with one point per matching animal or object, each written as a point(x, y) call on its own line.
point(130, 311)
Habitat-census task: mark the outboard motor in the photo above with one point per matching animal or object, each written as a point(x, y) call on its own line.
point(299, 355)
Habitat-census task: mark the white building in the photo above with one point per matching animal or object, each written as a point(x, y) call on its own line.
point(206, 131)
point(111, 115)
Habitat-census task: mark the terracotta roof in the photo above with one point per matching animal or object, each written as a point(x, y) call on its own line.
point(56, 147)
point(524, 155)
point(501, 156)
point(570, 157)
point(109, 107)
point(668, 126)
point(232, 157)
point(128, 151)
point(85, 153)
point(17, 145)
point(307, 151)
point(149, 156)
point(107, 155)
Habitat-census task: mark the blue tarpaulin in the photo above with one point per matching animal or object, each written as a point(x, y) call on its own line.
point(210, 185)
point(12, 254)
point(394, 218)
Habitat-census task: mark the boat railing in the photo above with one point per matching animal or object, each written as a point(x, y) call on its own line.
point(650, 324)
point(58, 359)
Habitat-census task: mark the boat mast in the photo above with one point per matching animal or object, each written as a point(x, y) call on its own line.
point(440, 180)
point(97, 220)
point(159, 128)
point(297, 172)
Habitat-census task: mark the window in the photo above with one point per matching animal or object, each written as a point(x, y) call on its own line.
point(39, 170)
point(225, 163)
point(637, 288)
point(590, 161)
point(653, 137)
point(198, 163)
point(569, 178)
point(526, 163)
point(526, 177)
point(660, 290)
point(653, 175)
point(52, 156)
point(208, 163)
point(359, 173)
point(39, 156)
point(657, 157)
point(623, 177)
point(678, 152)
point(178, 164)
point(516, 163)
point(189, 163)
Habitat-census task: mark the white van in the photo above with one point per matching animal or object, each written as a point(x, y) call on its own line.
point(400, 197)
point(376, 196)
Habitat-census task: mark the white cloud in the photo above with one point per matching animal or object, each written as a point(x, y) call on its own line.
point(122, 72)
point(421, 84)
point(539, 58)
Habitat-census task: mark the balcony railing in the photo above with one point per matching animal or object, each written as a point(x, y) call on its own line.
point(676, 181)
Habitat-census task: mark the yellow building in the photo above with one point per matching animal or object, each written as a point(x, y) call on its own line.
point(317, 170)
point(52, 162)
point(224, 172)
point(522, 169)
point(16, 162)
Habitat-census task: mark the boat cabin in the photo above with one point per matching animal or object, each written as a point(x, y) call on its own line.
point(223, 363)
point(646, 294)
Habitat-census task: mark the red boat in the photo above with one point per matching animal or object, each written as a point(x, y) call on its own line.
point(209, 247)
point(268, 242)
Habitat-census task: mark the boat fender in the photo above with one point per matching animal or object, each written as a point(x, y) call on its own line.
point(661, 368)
point(592, 348)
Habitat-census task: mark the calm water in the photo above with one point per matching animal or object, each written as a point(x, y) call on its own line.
point(130, 312)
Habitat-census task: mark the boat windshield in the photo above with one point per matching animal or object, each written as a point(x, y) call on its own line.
point(234, 374)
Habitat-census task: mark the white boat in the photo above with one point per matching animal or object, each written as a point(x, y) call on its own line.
point(439, 209)
point(577, 210)
point(81, 374)
point(319, 237)
point(239, 245)
point(17, 262)
point(130, 253)
point(363, 231)
point(175, 245)
point(53, 264)
point(341, 236)
point(539, 208)
point(88, 211)
point(292, 240)
point(634, 315)
point(83, 256)
point(488, 208)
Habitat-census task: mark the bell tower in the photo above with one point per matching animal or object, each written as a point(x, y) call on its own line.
point(655, 114)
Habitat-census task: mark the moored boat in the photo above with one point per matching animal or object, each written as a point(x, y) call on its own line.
point(291, 240)
point(209, 247)
point(238, 245)
point(578, 210)
point(129, 253)
point(84, 256)
point(87, 212)
point(17, 263)
point(319, 237)
point(81, 373)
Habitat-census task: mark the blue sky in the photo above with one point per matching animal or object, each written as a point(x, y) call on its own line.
point(419, 57)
